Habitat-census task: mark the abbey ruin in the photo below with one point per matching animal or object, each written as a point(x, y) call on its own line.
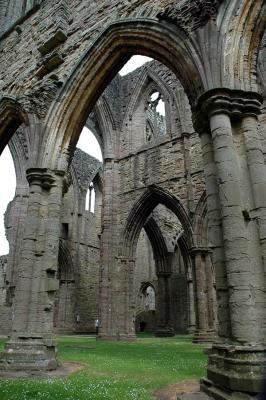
point(175, 240)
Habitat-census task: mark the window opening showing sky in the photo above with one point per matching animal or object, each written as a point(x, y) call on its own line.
point(8, 185)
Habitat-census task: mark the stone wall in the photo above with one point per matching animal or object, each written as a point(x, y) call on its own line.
point(5, 310)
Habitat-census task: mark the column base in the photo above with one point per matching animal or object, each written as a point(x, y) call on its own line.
point(191, 330)
point(204, 337)
point(29, 354)
point(234, 369)
point(164, 331)
point(124, 337)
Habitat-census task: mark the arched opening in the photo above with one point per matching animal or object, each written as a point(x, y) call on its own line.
point(91, 78)
point(77, 301)
point(7, 181)
point(146, 315)
point(144, 206)
point(107, 122)
point(12, 174)
point(159, 214)
point(103, 61)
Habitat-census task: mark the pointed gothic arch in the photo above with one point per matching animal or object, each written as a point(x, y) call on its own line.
point(141, 210)
point(98, 66)
point(158, 244)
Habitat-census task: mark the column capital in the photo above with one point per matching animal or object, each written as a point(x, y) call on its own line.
point(43, 177)
point(235, 103)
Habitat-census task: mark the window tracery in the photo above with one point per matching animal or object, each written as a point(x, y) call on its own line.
point(155, 116)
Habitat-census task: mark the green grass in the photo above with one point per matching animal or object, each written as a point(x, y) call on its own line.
point(113, 370)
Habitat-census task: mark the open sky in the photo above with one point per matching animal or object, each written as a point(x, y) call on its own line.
point(87, 142)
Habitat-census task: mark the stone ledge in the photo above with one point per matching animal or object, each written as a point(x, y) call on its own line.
point(63, 370)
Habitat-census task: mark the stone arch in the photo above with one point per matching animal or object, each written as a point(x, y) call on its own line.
point(19, 147)
point(101, 63)
point(145, 286)
point(200, 222)
point(107, 126)
point(141, 210)
point(141, 88)
point(65, 263)
point(158, 245)
point(11, 117)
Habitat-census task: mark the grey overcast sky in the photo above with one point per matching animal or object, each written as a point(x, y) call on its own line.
point(87, 142)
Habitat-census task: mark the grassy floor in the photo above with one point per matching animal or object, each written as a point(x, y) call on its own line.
point(114, 370)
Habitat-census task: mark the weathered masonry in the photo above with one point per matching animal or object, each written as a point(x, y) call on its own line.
point(180, 199)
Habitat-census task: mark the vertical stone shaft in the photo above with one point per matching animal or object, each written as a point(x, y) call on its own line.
point(168, 308)
point(117, 271)
point(201, 295)
point(215, 234)
point(187, 167)
point(257, 171)
point(161, 317)
point(163, 306)
point(241, 302)
point(106, 259)
point(191, 316)
point(211, 304)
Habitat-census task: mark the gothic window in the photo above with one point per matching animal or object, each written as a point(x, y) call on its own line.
point(155, 116)
point(90, 198)
point(149, 298)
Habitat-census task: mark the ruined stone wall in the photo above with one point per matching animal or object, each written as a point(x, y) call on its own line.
point(78, 297)
point(5, 310)
point(79, 280)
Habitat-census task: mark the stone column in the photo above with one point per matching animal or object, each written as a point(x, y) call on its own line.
point(187, 167)
point(31, 345)
point(117, 303)
point(236, 361)
point(257, 171)
point(191, 299)
point(191, 310)
point(215, 232)
point(203, 332)
point(211, 294)
point(163, 306)
point(238, 261)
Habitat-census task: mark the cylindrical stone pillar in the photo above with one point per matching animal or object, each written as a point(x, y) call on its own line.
point(211, 302)
point(201, 295)
point(31, 345)
point(236, 361)
point(257, 171)
point(215, 234)
point(163, 307)
point(241, 300)
point(191, 310)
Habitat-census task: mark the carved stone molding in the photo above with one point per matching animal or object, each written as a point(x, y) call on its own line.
point(41, 177)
